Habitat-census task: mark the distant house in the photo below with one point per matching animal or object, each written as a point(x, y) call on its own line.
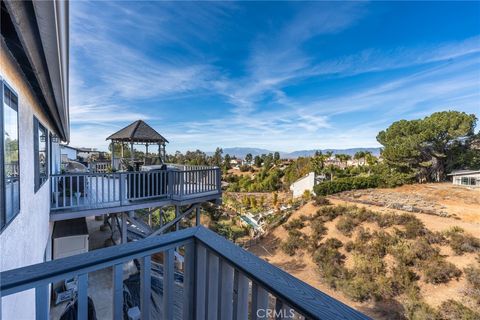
point(469, 178)
point(306, 183)
point(68, 153)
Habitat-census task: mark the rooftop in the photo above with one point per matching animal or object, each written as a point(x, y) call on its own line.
point(138, 131)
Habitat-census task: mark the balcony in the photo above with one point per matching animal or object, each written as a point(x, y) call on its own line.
point(216, 280)
point(75, 195)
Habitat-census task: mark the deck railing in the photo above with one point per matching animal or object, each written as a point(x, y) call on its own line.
point(219, 280)
point(97, 190)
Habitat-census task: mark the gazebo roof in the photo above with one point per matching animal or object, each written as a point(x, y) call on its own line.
point(138, 131)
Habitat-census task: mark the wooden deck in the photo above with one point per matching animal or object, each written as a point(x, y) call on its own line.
point(80, 195)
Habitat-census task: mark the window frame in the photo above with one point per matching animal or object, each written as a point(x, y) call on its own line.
point(39, 182)
point(3, 223)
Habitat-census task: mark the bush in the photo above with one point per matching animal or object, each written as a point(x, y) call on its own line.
point(318, 231)
point(414, 228)
point(294, 224)
point(385, 220)
point(473, 278)
point(358, 289)
point(454, 310)
point(295, 240)
point(402, 279)
point(346, 225)
point(344, 184)
point(321, 201)
point(416, 308)
point(330, 213)
point(439, 271)
point(330, 262)
point(461, 243)
point(435, 237)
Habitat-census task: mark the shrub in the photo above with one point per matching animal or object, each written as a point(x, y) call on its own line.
point(294, 224)
point(454, 310)
point(358, 289)
point(346, 225)
point(414, 228)
point(435, 237)
point(318, 231)
point(461, 243)
point(344, 184)
point(295, 240)
point(368, 267)
point(416, 308)
point(402, 279)
point(330, 262)
point(438, 270)
point(403, 252)
point(330, 213)
point(473, 278)
point(321, 201)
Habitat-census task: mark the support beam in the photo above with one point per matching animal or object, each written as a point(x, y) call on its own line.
point(197, 216)
point(150, 217)
point(124, 228)
point(177, 213)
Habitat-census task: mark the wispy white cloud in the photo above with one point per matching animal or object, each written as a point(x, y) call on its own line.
point(114, 76)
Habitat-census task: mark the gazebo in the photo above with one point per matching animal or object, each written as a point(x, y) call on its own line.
point(138, 133)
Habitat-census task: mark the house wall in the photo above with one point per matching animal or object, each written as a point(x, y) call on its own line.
point(69, 153)
point(25, 240)
point(305, 183)
point(458, 178)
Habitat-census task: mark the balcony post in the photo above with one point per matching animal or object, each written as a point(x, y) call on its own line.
point(182, 183)
point(170, 177)
point(121, 188)
point(189, 281)
point(42, 294)
point(219, 180)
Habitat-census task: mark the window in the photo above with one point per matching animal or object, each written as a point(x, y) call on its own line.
point(41, 153)
point(9, 160)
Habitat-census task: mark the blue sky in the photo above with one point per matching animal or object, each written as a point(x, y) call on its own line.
point(278, 75)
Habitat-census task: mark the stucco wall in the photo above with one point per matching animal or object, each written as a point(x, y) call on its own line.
point(305, 183)
point(24, 240)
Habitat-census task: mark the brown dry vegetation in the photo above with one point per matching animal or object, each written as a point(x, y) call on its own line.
point(425, 245)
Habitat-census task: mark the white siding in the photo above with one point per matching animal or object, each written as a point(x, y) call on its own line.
point(68, 153)
point(24, 241)
point(303, 184)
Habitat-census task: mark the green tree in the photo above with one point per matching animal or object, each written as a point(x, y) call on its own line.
point(423, 146)
point(226, 161)
point(249, 157)
point(258, 161)
point(217, 157)
point(276, 156)
point(318, 161)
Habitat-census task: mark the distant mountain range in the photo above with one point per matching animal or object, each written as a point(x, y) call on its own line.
point(242, 152)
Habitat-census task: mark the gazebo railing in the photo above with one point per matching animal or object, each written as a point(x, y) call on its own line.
point(97, 190)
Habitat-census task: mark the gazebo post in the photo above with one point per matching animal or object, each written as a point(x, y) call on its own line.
point(146, 152)
point(131, 153)
point(121, 150)
point(160, 152)
point(113, 155)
